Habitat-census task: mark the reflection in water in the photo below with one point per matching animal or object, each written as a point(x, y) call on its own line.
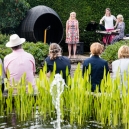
point(12, 122)
point(36, 121)
point(14, 118)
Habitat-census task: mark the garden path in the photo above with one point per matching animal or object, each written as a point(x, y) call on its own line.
point(75, 61)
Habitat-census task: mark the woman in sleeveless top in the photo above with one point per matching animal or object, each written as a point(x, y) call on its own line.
point(72, 33)
point(109, 26)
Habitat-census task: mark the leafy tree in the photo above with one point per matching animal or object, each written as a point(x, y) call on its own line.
point(12, 13)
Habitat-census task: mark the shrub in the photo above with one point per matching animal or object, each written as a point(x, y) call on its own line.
point(111, 52)
point(38, 50)
point(4, 38)
point(4, 51)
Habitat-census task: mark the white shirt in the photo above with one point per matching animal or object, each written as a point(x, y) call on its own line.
point(119, 67)
point(108, 21)
point(122, 64)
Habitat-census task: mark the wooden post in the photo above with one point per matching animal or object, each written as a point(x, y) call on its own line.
point(45, 32)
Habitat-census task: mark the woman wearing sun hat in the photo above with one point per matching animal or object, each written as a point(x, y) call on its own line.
point(19, 61)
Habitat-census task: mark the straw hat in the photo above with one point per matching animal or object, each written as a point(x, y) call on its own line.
point(15, 40)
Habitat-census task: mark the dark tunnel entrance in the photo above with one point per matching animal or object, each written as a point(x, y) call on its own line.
point(37, 20)
point(55, 31)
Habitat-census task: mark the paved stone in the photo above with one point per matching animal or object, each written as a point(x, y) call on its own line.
point(74, 62)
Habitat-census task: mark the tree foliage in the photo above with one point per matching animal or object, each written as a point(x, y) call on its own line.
point(12, 13)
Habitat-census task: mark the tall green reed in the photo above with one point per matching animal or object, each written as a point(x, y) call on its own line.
point(110, 107)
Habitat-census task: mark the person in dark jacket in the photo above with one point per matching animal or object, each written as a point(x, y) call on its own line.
point(97, 66)
point(62, 62)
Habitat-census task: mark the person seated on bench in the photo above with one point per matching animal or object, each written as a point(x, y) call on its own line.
point(62, 62)
point(120, 67)
point(97, 66)
point(19, 62)
point(120, 29)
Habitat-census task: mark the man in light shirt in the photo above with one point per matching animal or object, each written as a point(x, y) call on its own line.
point(19, 62)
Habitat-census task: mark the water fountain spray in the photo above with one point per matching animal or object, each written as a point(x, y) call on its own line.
point(56, 89)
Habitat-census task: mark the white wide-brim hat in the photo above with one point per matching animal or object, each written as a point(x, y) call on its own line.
point(15, 40)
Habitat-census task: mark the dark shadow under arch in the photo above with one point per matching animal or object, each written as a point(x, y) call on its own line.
point(37, 20)
point(54, 33)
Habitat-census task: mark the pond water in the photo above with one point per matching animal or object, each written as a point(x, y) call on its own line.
point(79, 106)
point(11, 122)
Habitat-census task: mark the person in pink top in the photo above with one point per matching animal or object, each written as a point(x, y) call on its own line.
point(19, 62)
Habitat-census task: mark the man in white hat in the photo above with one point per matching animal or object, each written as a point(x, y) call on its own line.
point(19, 62)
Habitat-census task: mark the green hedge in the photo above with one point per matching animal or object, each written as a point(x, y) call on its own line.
point(111, 52)
point(38, 50)
point(87, 10)
point(3, 38)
